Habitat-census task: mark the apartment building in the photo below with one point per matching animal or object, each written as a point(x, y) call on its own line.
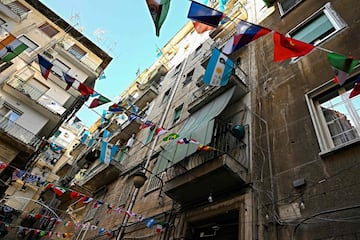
point(32, 107)
point(282, 138)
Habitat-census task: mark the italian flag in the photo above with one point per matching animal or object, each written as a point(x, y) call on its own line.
point(342, 66)
point(59, 190)
point(11, 47)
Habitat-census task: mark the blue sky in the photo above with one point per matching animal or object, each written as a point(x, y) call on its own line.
point(125, 30)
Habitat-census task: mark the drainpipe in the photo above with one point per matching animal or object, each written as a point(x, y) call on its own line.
point(153, 145)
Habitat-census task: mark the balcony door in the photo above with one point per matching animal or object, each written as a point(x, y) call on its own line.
point(8, 116)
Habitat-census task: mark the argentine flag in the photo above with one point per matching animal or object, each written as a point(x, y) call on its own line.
point(108, 152)
point(218, 70)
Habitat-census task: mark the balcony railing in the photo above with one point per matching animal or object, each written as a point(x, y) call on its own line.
point(14, 10)
point(11, 128)
point(37, 95)
point(223, 142)
point(85, 60)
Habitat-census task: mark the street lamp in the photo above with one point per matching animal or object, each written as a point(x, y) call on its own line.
point(139, 178)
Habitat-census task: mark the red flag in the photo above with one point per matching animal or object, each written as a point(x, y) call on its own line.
point(74, 194)
point(285, 47)
point(85, 90)
point(356, 89)
point(201, 27)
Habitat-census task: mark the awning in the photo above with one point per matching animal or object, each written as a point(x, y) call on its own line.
point(199, 126)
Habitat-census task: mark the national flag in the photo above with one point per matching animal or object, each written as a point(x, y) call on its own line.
point(201, 27)
point(204, 14)
point(67, 223)
point(342, 66)
point(86, 199)
point(74, 194)
point(85, 90)
point(59, 191)
point(87, 139)
point(109, 207)
point(55, 148)
point(187, 141)
point(108, 152)
point(58, 220)
point(218, 70)
point(58, 235)
point(170, 137)
point(115, 108)
point(160, 131)
point(45, 66)
point(285, 47)
point(93, 227)
point(133, 117)
point(98, 204)
point(69, 80)
point(205, 148)
point(101, 231)
point(118, 210)
point(134, 109)
point(102, 76)
point(36, 231)
point(65, 235)
point(99, 101)
point(140, 218)
point(42, 233)
point(30, 178)
point(146, 123)
point(356, 89)
point(222, 4)
point(245, 33)
point(109, 233)
point(158, 10)
point(38, 216)
point(3, 165)
point(159, 227)
point(150, 222)
point(11, 47)
point(129, 214)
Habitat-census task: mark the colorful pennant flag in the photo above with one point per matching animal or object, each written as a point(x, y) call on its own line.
point(201, 27)
point(115, 108)
point(3, 165)
point(59, 191)
point(74, 194)
point(356, 89)
point(170, 137)
point(342, 66)
point(129, 214)
point(204, 14)
point(69, 80)
point(158, 10)
point(159, 227)
point(45, 66)
point(85, 90)
point(150, 222)
point(205, 148)
point(100, 100)
point(187, 141)
point(11, 47)
point(218, 70)
point(146, 124)
point(98, 204)
point(86, 199)
point(108, 152)
point(160, 131)
point(285, 47)
point(245, 33)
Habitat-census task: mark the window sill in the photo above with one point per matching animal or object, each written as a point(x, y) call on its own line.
point(336, 149)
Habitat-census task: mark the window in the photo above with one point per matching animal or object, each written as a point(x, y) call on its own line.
point(177, 113)
point(48, 30)
point(286, 6)
point(166, 96)
point(197, 51)
point(59, 67)
point(30, 43)
point(77, 51)
point(336, 117)
point(188, 78)
point(319, 27)
point(5, 65)
point(177, 70)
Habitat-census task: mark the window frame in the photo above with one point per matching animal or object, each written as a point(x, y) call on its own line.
point(333, 18)
point(51, 32)
point(178, 108)
point(281, 9)
point(166, 96)
point(28, 50)
point(188, 78)
point(319, 123)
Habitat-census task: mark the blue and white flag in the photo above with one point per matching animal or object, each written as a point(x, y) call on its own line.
point(218, 70)
point(108, 152)
point(87, 139)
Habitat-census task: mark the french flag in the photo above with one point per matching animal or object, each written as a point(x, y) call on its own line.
point(245, 33)
point(45, 66)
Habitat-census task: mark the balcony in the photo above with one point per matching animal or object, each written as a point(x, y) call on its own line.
point(205, 94)
point(34, 97)
point(17, 135)
point(218, 172)
point(14, 10)
point(100, 175)
point(84, 62)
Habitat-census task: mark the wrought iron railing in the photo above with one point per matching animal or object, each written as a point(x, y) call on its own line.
point(223, 142)
point(11, 128)
point(37, 95)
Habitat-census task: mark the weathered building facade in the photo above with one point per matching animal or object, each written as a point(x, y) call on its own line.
point(283, 138)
